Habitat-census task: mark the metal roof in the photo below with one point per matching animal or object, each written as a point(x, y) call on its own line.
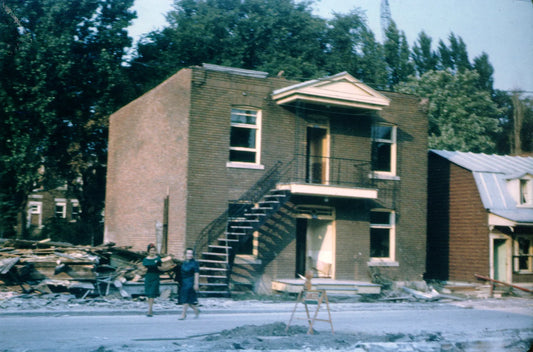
point(491, 174)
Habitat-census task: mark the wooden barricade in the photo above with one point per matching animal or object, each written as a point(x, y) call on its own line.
point(313, 298)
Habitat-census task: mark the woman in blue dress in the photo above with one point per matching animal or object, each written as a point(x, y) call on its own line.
point(190, 275)
point(151, 279)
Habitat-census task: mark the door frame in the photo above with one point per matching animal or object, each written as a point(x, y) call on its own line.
point(507, 243)
point(324, 153)
point(314, 212)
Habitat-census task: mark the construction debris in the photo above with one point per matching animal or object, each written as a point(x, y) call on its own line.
point(47, 267)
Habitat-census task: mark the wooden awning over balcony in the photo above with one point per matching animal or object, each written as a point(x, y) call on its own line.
point(341, 89)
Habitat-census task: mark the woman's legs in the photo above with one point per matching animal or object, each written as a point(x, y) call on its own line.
point(184, 313)
point(150, 305)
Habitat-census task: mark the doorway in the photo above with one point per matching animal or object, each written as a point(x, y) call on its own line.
point(315, 245)
point(500, 259)
point(317, 155)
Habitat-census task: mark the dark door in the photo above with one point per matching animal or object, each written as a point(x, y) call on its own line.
point(301, 235)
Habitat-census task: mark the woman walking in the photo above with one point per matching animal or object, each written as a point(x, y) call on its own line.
point(151, 279)
point(190, 274)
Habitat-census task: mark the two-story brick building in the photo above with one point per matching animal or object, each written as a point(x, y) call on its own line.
point(267, 178)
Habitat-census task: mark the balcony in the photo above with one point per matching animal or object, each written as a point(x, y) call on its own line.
point(329, 177)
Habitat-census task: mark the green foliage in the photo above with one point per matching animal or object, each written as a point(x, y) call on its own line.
point(61, 76)
point(461, 117)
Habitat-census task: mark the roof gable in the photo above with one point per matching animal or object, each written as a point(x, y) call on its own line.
point(341, 90)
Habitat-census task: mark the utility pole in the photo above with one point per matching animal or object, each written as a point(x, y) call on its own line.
point(518, 117)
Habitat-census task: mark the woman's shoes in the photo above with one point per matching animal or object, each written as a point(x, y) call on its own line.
point(149, 315)
point(197, 313)
point(183, 317)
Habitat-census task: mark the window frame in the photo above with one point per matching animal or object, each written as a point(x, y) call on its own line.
point(517, 255)
point(525, 192)
point(393, 141)
point(391, 226)
point(35, 208)
point(60, 203)
point(257, 150)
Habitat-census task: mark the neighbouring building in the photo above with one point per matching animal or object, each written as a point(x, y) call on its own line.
point(44, 205)
point(480, 217)
point(268, 178)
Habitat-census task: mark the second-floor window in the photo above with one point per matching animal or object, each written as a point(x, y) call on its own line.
point(526, 192)
point(245, 139)
point(384, 149)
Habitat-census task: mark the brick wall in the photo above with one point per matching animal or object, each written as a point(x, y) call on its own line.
point(469, 234)
point(148, 146)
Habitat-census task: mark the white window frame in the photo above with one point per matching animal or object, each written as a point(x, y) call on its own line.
point(60, 203)
point(391, 226)
point(517, 253)
point(525, 191)
point(257, 150)
point(35, 208)
point(393, 150)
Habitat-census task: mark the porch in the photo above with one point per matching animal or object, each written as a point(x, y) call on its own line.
point(338, 287)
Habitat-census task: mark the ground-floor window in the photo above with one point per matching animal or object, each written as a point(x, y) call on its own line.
point(382, 235)
point(523, 254)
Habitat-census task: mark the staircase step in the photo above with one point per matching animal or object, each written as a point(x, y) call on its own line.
point(241, 227)
point(237, 233)
point(213, 284)
point(219, 247)
point(215, 254)
point(223, 277)
point(208, 268)
point(212, 261)
point(228, 240)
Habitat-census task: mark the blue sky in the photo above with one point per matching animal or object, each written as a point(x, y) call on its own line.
point(501, 28)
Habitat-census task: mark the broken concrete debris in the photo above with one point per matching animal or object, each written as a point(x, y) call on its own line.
point(47, 267)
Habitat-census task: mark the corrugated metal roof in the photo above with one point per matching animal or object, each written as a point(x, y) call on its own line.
point(491, 174)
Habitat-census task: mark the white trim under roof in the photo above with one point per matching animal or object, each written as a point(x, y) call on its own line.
point(341, 89)
point(329, 191)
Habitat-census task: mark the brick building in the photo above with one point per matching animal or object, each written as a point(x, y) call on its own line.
point(267, 178)
point(480, 217)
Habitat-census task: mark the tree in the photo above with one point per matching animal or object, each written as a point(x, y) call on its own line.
point(61, 76)
point(424, 58)
point(461, 116)
point(454, 57)
point(485, 71)
point(272, 35)
point(396, 50)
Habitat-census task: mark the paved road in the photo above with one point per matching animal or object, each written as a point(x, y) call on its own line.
point(164, 332)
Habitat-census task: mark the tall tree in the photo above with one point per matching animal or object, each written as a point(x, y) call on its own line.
point(455, 56)
point(424, 58)
point(62, 75)
point(396, 50)
point(271, 35)
point(461, 116)
point(485, 70)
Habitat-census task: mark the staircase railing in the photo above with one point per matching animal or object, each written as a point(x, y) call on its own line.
point(217, 227)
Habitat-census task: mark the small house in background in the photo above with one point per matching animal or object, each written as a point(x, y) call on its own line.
point(44, 205)
point(480, 217)
point(269, 178)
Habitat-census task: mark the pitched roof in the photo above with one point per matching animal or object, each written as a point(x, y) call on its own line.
point(491, 174)
point(341, 89)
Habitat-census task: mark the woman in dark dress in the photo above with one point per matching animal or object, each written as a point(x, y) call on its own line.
point(151, 279)
point(190, 274)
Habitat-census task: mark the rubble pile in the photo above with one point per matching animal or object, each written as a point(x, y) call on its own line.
point(46, 267)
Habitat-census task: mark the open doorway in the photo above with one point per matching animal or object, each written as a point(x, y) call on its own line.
point(315, 247)
point(317, 155)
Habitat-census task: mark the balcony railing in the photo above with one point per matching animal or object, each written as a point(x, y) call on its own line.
point(320, 170)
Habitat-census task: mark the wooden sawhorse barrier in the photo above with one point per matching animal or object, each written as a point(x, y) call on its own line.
point(313, 298)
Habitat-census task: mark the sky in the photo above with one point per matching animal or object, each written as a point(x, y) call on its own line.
point(501, 28)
